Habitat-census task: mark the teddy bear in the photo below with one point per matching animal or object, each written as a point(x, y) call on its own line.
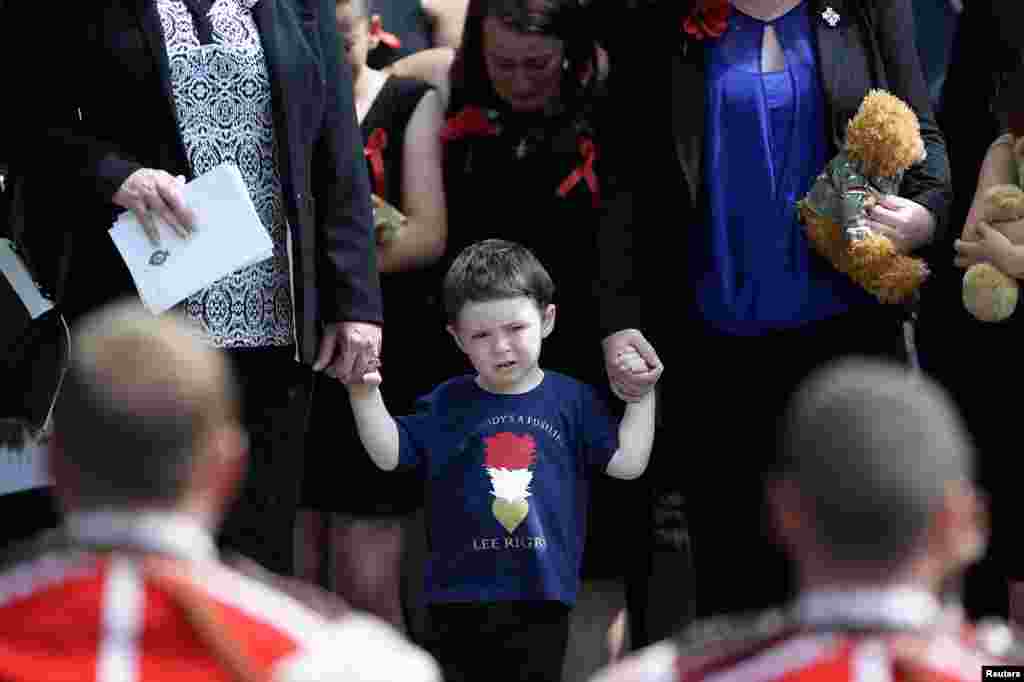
point(989, 294)
point(388, 221)
point(883, 140)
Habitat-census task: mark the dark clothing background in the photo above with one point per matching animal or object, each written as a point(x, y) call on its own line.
point(500, 641)
point(738, 564)
point(275, 393)
point(935, 23)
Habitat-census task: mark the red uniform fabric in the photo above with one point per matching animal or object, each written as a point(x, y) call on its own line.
point(898, 633)
point(87, 616)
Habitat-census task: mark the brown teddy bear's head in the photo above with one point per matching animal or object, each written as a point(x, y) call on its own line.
point(884, 135)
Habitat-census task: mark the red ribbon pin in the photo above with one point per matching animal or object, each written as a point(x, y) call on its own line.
point(389, 39)
point(374, 151)
point(470, 121)
point(585, 172)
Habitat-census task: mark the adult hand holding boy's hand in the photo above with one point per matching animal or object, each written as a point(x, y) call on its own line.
point(349, 350)
point(620, 350)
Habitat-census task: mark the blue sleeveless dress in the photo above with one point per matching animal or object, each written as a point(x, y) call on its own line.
point(765, 142)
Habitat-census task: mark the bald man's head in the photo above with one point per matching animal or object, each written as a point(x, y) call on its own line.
point(875, 451)
point(139, 396)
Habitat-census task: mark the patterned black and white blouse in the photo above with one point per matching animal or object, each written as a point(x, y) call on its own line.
point(222, 94)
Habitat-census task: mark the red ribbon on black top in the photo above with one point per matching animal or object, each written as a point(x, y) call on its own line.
point(469, 122)
point(389, 40)
point(374, 151)
point(584, 172)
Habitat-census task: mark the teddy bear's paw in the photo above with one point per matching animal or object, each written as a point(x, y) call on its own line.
point(988, 294)
point(903, 279)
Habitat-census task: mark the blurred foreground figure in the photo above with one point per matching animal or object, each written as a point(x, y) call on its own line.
point(146, 455)
point(873, 500)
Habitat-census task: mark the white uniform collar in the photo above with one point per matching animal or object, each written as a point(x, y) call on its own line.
point(900, 608)
point(172, 533)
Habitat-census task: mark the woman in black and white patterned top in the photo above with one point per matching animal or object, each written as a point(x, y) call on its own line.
point(222, 95)
point(155, 92)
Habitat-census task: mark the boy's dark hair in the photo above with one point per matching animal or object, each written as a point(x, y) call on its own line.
point(492, 270)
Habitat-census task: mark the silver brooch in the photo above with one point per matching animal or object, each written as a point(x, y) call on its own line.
point(830, 16)
point(159, 257)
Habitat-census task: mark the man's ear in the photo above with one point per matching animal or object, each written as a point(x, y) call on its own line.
point(220, 467)
point(963, 523)
point(547, 321)
point(786, 513)
point(455, 335)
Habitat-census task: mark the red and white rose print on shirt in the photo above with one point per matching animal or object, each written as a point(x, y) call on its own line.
point(507, 458)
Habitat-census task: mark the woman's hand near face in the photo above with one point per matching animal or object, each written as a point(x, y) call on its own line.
point(149, 193)
point(907, 223)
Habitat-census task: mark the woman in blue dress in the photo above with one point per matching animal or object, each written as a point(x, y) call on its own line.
point(757, 100)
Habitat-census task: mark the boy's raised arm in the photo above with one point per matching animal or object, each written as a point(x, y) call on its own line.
point(377, 429)
point(636, 438)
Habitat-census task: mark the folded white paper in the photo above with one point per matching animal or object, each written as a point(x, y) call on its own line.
point(21, 281)
point(229, 236)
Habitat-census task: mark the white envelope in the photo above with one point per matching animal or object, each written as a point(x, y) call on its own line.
point(229, 236)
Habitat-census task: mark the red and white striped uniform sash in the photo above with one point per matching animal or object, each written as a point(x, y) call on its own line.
point(126, 617)
point(817, 655)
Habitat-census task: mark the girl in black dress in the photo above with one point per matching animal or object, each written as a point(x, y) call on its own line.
point(351, 526)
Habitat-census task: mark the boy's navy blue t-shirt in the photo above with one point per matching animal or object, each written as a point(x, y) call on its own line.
point(507, 482)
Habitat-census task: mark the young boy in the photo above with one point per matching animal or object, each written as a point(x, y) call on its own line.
point(506, 457)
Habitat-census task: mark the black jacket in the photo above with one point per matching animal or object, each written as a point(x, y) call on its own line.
point(99, 106)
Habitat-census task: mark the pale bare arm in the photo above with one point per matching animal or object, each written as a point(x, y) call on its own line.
point(422, 240)
point(377, 429)
point(448, 18)
point(998, 168)
point(636, 438)
point(431, 66)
